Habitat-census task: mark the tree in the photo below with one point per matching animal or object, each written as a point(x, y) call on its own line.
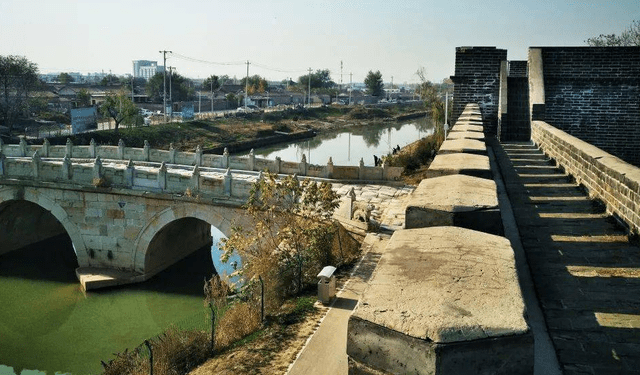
point(84, 98)
point(181, 89)
point(321, 79)
point(65, 78)
point(374, 84)
point(211, 83)
point(109, 79)
point(121, 109)
point(256, 84)
point(432, 94)
point(18, 78)
point(629, 37)
point(289, 227)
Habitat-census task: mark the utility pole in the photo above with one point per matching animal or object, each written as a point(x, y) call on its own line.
point(350, 86)
point(211, 79)
point(391, 92)
point(246, 89)
point(170, 98)
point(309, 96)
point(164, 95)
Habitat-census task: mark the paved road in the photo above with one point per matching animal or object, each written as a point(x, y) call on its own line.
point(584, 269)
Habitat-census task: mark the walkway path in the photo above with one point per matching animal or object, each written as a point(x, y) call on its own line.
point(585, 271)
point(326, 351)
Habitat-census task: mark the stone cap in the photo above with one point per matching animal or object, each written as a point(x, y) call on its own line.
point(466, 134)
point(445, 284)
point(464, 127)
point(455, 193)
point(460, 163)
point(472, 146)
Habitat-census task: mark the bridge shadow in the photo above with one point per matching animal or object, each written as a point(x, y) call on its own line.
point(54, 260)
point(585, 270)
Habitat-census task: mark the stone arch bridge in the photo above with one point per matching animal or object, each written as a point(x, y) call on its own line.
point(127, 210)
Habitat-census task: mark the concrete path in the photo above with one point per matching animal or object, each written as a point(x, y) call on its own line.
point(326, 351)
point(585, 271)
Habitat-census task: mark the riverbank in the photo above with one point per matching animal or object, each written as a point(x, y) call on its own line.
point(244, 132)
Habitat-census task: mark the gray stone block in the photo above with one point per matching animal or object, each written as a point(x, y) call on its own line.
point(443, 300)
point(460, 163)
point(457, 200)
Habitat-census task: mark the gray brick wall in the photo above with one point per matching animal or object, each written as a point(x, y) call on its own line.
point(593, 93)
point(477, 80)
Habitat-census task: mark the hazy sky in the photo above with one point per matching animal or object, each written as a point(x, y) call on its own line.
point(284, 38)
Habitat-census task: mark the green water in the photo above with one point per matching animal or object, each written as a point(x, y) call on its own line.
point(48, 324)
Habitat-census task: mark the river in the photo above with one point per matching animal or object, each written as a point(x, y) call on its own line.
point(47, 323)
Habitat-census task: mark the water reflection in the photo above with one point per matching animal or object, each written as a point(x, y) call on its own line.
point(47, 323)
point(348, 146)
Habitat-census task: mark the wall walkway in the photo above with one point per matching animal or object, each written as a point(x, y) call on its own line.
point(584, 269)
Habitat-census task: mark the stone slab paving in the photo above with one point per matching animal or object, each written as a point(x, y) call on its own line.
point(585, 271)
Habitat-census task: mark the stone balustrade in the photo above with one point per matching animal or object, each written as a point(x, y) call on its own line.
point(605, 176)
point(198, 158)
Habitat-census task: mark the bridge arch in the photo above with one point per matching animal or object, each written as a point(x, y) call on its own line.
point(8, 195)
point(185, 219)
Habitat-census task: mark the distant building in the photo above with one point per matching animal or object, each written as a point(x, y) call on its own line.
point(146, 68)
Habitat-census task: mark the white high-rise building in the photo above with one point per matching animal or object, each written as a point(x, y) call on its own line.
point(145, 69)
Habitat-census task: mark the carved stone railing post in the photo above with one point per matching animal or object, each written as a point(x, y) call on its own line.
point(45, 148)
point(277, 163)
point(197, 156)
point(66, 168)
point(361, 170)
point(195, 179)
point(129, 173)
point(162, 176)
point(35, 162)
point(23, 147)
point(252, 160)
point(146, 151)
point(303, 165)
point(351, 199)
point(225, 158)
point(92, 148)
point(227, 182)
point(328, 172)
point(172, 154)
point(97, 169)
point(69, 150)
point(121, 149)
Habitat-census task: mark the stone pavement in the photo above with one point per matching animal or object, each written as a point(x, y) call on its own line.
point(585, 271)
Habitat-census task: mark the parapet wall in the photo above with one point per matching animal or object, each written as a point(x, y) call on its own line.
point(606, 177)
point(593, 93)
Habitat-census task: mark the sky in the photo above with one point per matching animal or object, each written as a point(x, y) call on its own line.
point(284, 38)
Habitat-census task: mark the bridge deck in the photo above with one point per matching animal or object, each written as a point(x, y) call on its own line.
point(585, 271)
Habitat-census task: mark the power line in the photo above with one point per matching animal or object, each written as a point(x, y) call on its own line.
point(206, 61)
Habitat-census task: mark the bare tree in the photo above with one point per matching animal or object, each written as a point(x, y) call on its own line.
point(629, 37)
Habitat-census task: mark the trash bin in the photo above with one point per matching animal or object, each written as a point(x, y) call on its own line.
point(326, 285)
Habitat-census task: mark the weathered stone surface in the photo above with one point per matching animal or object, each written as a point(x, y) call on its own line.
point(458, 200)
point(466, 135)
point(466, 127)
point(460, 163)
point(442, 300)
point(469, 146)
